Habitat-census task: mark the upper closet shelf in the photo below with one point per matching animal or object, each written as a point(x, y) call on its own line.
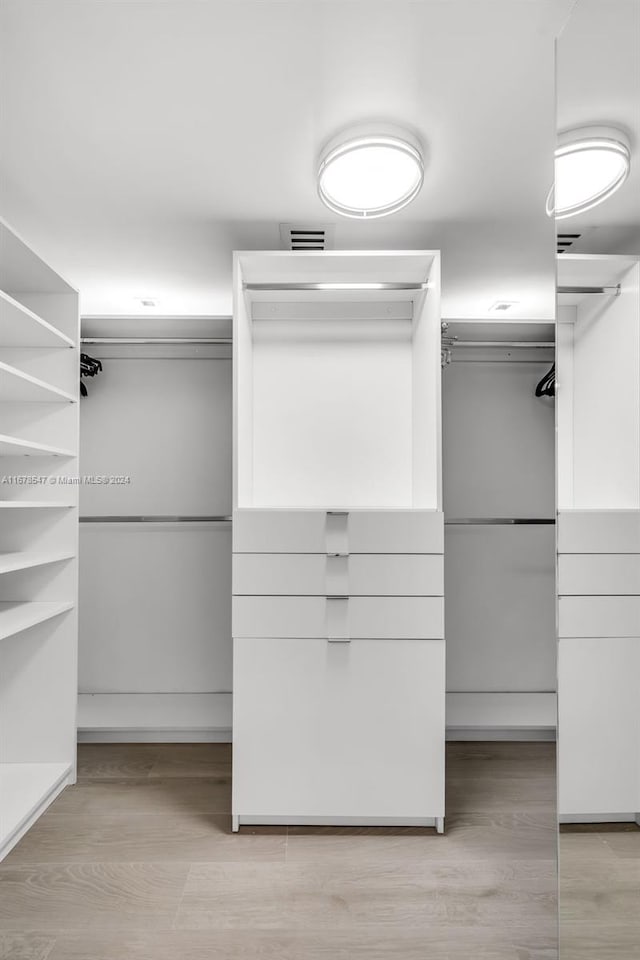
point(20, 327)
point(18, 616)
point(34, 505)
point(16, 386)
point(14, 447)
point(24, 560)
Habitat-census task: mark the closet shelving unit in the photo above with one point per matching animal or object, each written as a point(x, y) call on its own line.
point(598, 455)
point(338, 626)
point(39, 353)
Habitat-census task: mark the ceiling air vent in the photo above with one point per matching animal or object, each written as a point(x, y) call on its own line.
point(313, 236)
point(566, 240)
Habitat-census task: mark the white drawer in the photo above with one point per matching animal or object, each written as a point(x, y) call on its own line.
point(584, 574)
point(338, 730)
point(320, 531)
point(361, 574)
point(599, 531)
point(599, 617)
point(339, 618)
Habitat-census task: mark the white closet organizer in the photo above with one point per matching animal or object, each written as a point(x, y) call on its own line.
point(39, 370)
point(339, 655)
point(598, 421)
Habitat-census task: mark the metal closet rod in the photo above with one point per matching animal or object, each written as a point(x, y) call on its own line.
point(463, 521)
point(156, 519)
point(499, 521)
point(613, 290)
point(380, 285)
point(140, 340)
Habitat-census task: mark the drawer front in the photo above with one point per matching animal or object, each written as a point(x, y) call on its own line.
point(365, 574)
point(339, 618)
point(338, 730)
point(599, 616)
point(319, 531)
point(585, 574)
point(599, 745)
point(599, 531)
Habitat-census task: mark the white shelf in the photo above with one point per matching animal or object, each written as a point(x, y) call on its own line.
point(33, 505)
point(14, 447)
point(23, 560)
point(501, 716)
point(16, 616)
point(26, 789)
point(20, 327)
point(19, 387)
point(113, 717)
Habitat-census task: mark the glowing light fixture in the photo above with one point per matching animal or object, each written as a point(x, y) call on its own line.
point(370, 172)
point(591, 164)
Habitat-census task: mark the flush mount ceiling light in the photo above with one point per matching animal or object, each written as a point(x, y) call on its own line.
point(591, 164)
point(371, 172)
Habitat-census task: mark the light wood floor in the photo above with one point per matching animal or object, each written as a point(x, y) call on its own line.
point(600, 892)
point(137, 862)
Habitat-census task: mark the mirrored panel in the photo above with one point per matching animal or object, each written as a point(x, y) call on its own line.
point(598, 481)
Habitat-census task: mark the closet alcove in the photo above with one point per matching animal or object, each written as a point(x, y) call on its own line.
point(598, 424)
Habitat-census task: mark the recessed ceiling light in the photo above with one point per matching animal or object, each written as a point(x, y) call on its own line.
point(502, 305)
point(370, 173)
point(591, 164)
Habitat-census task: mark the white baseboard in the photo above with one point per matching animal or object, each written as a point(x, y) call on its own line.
point(154, 717)
point(599, 818)
point(206, 717)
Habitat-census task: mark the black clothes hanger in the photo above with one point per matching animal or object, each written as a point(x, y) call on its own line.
point(88, 368)
point(547, 386)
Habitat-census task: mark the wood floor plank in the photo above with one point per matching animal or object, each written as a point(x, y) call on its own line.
point(120, 895)
point(323, 896)
point(468, 837)
point(130, 797)
point(499, 794)
point(599, 941)
point(373, 943)
point(469, 760)
point(117, 761)
point(17, 946)
point(184, 836)
point(601, 890)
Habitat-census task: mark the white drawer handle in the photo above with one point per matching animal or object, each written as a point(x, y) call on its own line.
point(337, 554)
point(337, 513)
point(339, 639)
point(337, 596)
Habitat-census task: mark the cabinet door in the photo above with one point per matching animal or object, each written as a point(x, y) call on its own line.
point(315, 574)
point(599, 742)
point(336, 531)
point(338, 730)
point(339, 617)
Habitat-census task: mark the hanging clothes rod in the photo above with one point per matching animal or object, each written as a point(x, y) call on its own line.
point(540, 344)
point(383, 285)
point(613, 290)
point(499, 521)
point(134, 341)
point(158, 519)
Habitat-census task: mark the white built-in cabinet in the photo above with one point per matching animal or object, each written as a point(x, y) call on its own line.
point(39, 331)
point(598, 424)
point(338, 626)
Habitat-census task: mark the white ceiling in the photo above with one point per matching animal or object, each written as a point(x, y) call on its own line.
point(144, 141)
